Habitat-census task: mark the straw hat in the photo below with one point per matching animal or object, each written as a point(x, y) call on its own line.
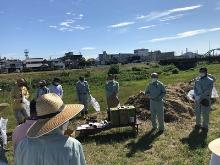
point(52, 113)
point(214, 146)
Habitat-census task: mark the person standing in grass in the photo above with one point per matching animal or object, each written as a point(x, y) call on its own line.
point(203, 92)
point(42, 88)
point(111, 91)
point(55, 87)
point(18, 94)
point(21, 130)
point(83, 94)
point(156, 92)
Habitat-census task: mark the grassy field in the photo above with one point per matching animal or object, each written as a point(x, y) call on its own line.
point(179, 145)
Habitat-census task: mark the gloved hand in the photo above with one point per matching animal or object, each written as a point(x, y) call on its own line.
point(197, 98)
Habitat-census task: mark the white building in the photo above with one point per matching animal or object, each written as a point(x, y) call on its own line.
point(35, 63)
point(56, 64)
point(143, 53)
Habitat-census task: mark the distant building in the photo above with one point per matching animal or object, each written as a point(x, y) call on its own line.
point(142, 53)
point(123, 58)
point(71, 60)
point(190, 55)
point(35, 64)
point(158, 55)
point(56, 64)
point(9, 66)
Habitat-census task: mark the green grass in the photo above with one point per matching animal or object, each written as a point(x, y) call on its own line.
point(177, 146)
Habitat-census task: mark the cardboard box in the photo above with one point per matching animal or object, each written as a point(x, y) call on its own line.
point(115, 116)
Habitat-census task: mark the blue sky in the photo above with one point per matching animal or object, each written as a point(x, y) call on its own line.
point(49, 28)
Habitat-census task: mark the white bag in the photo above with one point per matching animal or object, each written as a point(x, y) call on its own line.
point(26, 105)
point(3, 130)
point(191, 94)
point(214, 93)
point(95, 104)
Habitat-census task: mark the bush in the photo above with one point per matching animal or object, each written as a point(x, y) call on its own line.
point(136, 69)
point(114, 69)
point(87, 74)
point(175, 71)
point(168, 68)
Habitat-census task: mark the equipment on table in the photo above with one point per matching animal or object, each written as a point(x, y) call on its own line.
point(123, 115)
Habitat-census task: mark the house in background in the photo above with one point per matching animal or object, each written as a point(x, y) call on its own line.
point(158, 55)
point(56, 64)
point(10, 66)
point(71, 60)
point(35, 64)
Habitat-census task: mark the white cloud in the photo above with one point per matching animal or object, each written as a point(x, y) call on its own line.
point(88, 48)
point(146, 27)
point(158, 15)
point(185, 34)
point(122, 24)
point(67, 23)
point(79, 27)
point(172, 17)
point(68, 13)
point(53, 26)
point(80, 16)
point(185, 8)
point(72, 28)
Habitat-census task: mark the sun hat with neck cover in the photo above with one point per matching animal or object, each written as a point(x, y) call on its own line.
point(51, 114)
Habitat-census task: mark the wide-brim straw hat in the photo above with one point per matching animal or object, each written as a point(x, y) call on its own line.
point(214, 146)
point(52, 113)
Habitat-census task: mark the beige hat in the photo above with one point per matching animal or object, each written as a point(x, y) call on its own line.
point(214, 146)
point(52, 113)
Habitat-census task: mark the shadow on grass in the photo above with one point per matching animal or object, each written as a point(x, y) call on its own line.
point(196, 139)
point(107, 138)
point(144, 143)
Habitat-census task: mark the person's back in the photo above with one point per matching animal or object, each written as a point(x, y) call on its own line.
point(50, 149)
point(56, 89)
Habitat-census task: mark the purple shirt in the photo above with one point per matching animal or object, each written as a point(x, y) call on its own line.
point(20, 132)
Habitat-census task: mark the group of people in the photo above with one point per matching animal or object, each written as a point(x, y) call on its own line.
point(202, 95)
point(40, 131)
point(40, 137)
point(20, 95)
point(111, 92)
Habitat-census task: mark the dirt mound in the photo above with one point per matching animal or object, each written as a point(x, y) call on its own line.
point(177, 106)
